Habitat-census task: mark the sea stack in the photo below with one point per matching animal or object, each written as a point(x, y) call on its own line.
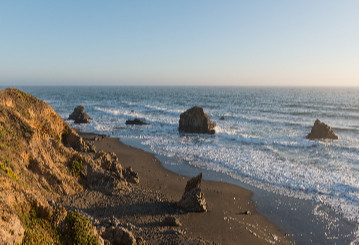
point(195, 120)
point(79, 116)
point(321, 130)
point(193, 199)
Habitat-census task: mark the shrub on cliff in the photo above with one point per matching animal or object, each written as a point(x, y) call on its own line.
point(78, 230)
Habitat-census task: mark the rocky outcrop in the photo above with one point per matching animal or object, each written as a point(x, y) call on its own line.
point(193, 199)
point(321, 130)
point(11, 232)
point(79, 116)
point(195, 120)
point(119, 235)
point(43, 159)
point(131, 176)
point(136, 121)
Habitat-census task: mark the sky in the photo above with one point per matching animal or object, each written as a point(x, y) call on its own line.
point(183, 42)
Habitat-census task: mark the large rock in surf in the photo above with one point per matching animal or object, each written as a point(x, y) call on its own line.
point(193, 199)
point(321, 130)
point(79, 116)
point(195, 120)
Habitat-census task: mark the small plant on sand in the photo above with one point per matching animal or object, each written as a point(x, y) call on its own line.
point(78, 230)
point(8, 171)
point(76, 167)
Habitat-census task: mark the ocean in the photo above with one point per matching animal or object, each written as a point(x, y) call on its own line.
point(260, 143)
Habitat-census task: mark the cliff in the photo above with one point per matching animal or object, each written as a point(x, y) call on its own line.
point(42, 160)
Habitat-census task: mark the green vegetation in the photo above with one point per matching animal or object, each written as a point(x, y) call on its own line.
point(44, 229)
point(9, 172)
point(76, 167)
point(78, 230)
point(38, 230)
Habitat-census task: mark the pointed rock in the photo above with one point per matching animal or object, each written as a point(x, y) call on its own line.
point(321, 130)
point(193, 199)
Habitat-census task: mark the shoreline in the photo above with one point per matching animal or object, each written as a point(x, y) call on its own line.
point(224, 223)
point(304, 220)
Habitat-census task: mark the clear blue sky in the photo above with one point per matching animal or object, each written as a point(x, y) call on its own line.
point(184, 42)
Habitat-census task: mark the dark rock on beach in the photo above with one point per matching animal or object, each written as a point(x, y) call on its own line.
point(171, 221)
point(119, 235)
point(193, 199)
point(136, 121)
point(195, 120)
point(321, 130)
point(79, 116)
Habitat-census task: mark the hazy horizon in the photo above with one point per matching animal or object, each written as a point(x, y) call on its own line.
point(182, 43)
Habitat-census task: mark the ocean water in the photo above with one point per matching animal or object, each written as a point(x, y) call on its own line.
point(261, 142)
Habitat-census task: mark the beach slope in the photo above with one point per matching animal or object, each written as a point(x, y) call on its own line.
point(231, 216)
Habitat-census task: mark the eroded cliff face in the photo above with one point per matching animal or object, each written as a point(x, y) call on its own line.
point(41, 160)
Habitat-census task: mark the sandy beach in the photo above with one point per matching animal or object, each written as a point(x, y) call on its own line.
point(226, 221)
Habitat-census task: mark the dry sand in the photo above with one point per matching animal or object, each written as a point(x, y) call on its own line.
point(155, 197)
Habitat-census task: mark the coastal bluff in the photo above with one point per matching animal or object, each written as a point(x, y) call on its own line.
point(43, 160)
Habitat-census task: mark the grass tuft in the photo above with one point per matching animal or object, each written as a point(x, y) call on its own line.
point(76, 167)
point(78, 230)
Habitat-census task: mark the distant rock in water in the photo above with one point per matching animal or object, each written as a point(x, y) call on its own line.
point(195, 120)
point(79, 116)
point(193, 199)
point(321, 130)
point(222, 118)
point(136, 121)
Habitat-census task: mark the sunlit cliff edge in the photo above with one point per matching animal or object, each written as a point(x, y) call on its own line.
point(42, 159)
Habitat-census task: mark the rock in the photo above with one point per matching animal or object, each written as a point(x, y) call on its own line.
point(222, 118)
point(194, 120)
point(11, 232)
point(107, 233)
point(104, 181)
point(107, 242)
point(273, 236)
point(171, 221)
point(193, 199)
point(193, 183)
point(123, 236)
point(136, 121)
point(321, 130)
point(140, 241)
point(131, 176)
point(72, 139)
point(79, 116)
point(101, 241)
point(43, 211)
